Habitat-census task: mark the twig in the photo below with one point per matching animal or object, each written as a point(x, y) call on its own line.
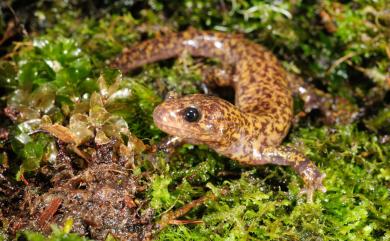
point(49, 212)
point(341, 60)
point(171, 217)
point(17, 20)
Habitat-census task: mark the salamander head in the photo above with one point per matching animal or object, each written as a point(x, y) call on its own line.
point(196, 118)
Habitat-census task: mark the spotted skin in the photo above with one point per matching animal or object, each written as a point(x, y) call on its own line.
point(251, 130)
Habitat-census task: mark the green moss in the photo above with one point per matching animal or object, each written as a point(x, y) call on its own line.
point(380, 122)
point(58, 234)
point(160, 194)
point(354, 207)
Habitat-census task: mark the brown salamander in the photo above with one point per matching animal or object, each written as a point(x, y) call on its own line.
point(250, 131)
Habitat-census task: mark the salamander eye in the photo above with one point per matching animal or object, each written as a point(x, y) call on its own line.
point(191, 114)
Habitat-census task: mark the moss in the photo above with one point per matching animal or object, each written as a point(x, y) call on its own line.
point(354, 207)
point(58, 234)
point(60, 72)
point(380, 122)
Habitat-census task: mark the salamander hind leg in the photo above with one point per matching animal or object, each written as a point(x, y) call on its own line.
point(309, 172)
point(214, 76)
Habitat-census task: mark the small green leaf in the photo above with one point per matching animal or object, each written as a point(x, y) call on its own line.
point(32, 153)
point(35, 73)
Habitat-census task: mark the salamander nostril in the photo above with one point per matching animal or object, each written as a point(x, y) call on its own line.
point(191, 114)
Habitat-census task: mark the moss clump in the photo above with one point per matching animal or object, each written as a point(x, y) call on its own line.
point(57, 234)
point(354, 207)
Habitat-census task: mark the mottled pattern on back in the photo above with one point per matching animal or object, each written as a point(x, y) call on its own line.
point(249, 131)
point(260, 83)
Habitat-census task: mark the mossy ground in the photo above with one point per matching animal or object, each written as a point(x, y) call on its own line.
point(341, 47)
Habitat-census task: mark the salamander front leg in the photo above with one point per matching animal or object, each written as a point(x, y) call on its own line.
point(309, 172)
point(170, 143)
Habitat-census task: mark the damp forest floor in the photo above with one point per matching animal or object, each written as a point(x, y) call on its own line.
point(77, 156)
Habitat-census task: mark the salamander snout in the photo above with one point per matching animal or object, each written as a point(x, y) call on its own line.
point(178, 118)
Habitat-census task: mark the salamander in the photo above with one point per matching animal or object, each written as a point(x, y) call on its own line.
point(251, 130)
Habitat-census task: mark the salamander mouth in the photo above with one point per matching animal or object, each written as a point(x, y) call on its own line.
point(163, 124)
point(186, 133)
point(169, 129)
